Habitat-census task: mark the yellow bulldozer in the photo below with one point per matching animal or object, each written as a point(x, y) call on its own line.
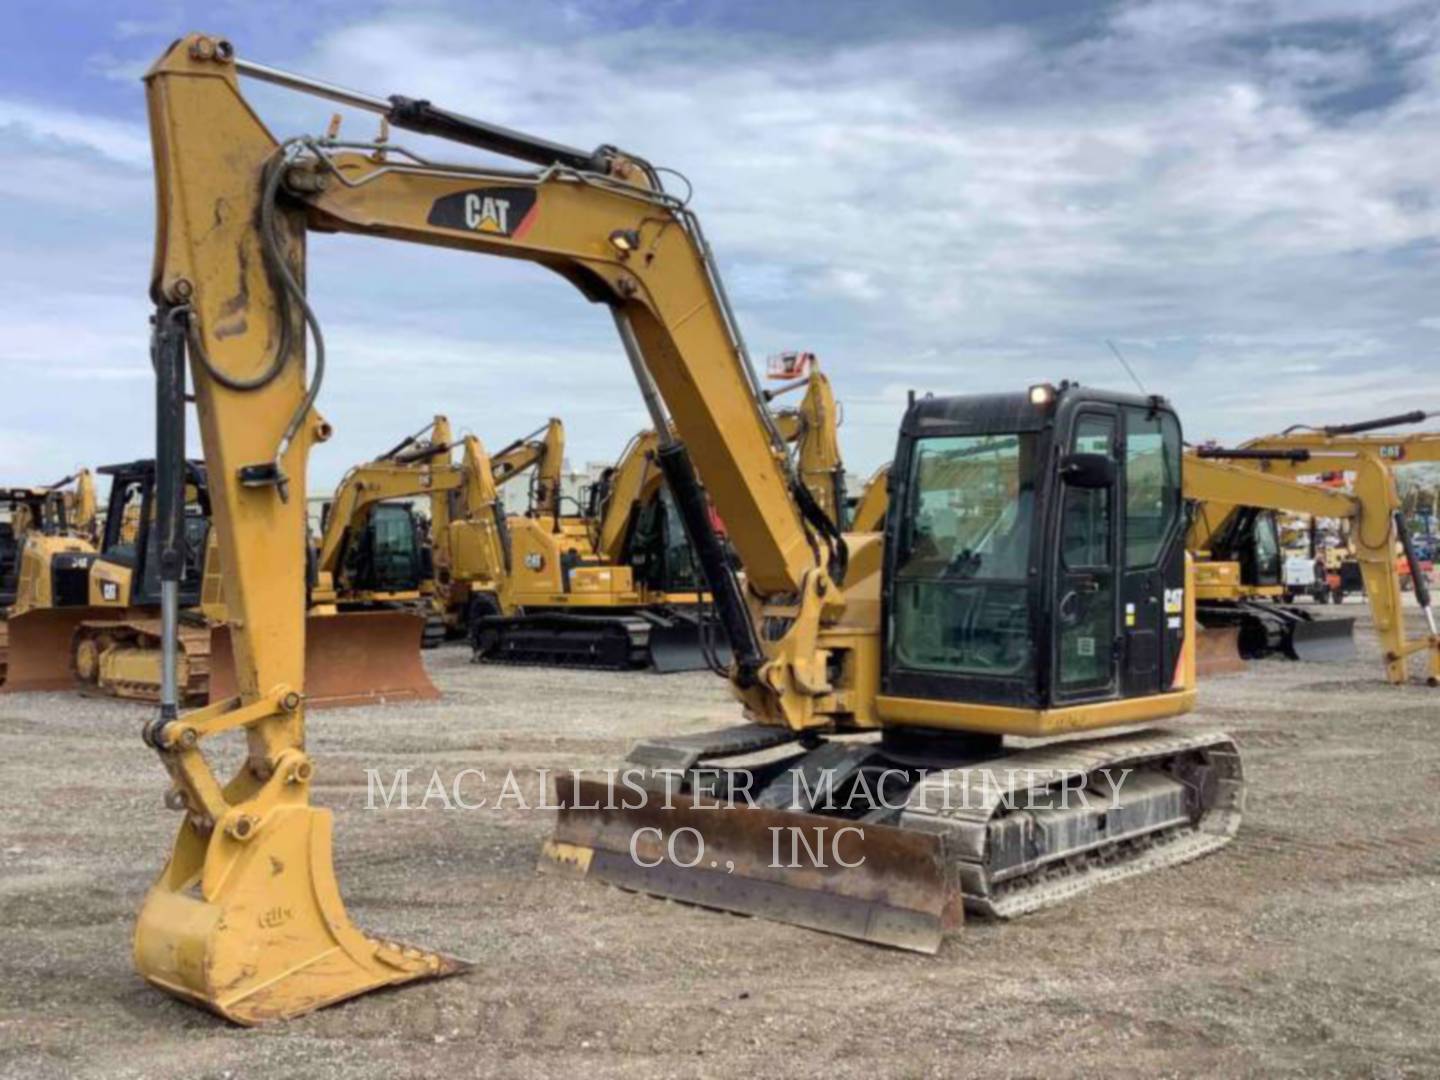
point(1024, 532)
point(87, 616)
point(47, 538)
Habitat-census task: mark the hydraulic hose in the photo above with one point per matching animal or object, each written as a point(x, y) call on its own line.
point(287, 291)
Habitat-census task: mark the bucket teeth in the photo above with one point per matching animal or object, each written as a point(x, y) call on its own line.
point(258, 933)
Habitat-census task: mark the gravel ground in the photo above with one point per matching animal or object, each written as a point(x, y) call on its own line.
point(1309, 946)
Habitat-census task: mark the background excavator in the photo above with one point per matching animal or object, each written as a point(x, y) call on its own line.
point(47, 539)
point(1379, 536)
point(995, 609)
point(471, 548)
point(619, 586)
point(1240, 586)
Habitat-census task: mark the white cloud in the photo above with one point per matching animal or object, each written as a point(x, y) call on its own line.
point(120, 142)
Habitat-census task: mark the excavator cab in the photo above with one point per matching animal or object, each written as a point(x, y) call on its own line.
point(391, 554)
point(660, 550)
point(1037, 559)
point(1251, 538)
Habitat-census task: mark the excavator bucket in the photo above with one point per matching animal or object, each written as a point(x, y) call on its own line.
point(870, 882)
point(1323, 640)
point(353, 658)
point(260, 934)
point(38, 654)
point(1217, 651)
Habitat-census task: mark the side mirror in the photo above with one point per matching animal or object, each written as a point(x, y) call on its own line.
point(1088, 470)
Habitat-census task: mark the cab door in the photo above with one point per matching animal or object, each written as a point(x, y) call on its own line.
point(1086, 642)
point(1153, 552)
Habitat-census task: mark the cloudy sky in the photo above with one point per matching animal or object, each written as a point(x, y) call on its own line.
point(949, 195)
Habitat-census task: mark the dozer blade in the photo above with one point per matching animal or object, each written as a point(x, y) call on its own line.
point(759, 862)
point(1322, 640)
point(353, 658)
point(679, 648)
point(38, 656)
point(682, 644)
point(1217, 651)
point(261, 934)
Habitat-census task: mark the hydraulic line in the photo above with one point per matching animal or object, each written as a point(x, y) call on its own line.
point(288, 291)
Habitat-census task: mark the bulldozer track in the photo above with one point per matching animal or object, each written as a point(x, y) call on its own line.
point(140, 635)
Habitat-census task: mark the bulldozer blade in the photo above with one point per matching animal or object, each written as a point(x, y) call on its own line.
point(261, 934)
point(870, 882)
point(353, 658)
point(1322, 640)
point(1217, 651)
point(38, 655)
point(680, 646)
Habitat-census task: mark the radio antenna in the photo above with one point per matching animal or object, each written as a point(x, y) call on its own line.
point(1128, 369)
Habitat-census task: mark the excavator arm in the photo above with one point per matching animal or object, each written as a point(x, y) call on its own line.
point(542, 450)
point(632, 483)
point(1266, 476)
point(1216, 488)
point(813, 427)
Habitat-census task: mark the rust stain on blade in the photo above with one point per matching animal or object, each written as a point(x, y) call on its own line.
point(355, 658)
point(870, 882)
point(1217, 651)
point(39, 647)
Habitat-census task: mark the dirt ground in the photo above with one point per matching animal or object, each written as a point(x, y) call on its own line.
point(1309, 946)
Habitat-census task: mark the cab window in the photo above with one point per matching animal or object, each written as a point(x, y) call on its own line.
point(961, 591)
point(1152, 483)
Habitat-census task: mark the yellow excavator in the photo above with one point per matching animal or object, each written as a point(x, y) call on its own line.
point(991, 611)
point(46, 544)
point(1379, 535)
point(472, 551)
point(375, 553)
point(397, 580)
point(618, 587)
point(1235, 495)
